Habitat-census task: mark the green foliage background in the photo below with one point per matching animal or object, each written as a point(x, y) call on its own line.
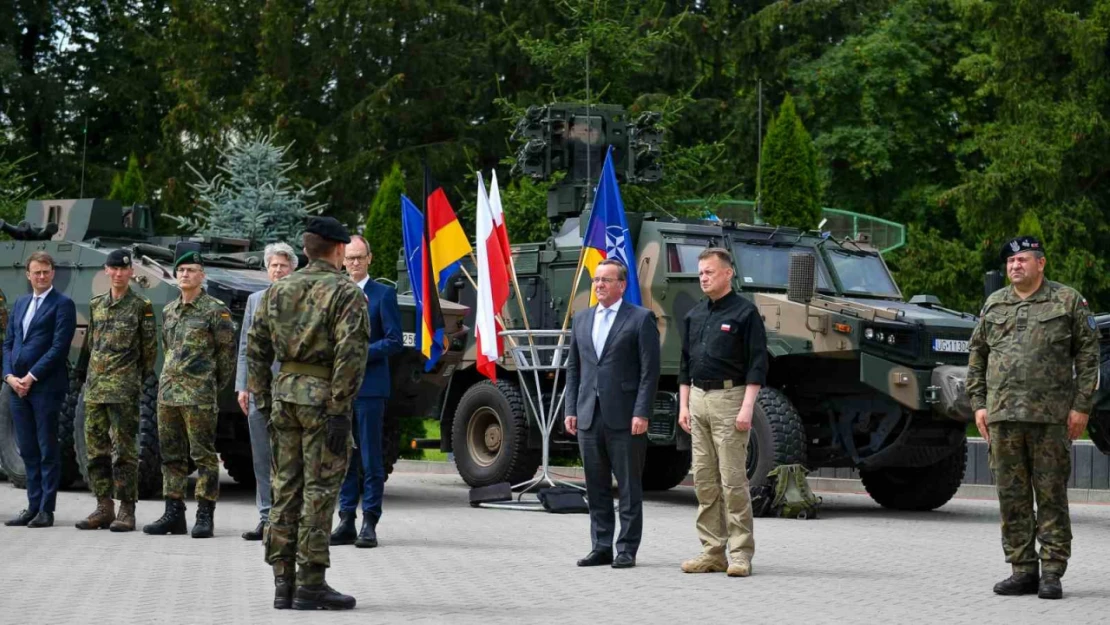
point(960, 118)
point(789, 192)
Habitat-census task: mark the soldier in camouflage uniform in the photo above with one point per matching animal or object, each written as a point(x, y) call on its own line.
point(198, 339)
point(315, 322)
point(118, 354)
point(1032, 372)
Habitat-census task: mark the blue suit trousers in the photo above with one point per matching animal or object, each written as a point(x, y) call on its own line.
point(35, 418)
point(367, 476)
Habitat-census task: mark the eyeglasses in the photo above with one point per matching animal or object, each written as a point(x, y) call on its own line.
point(605, 280)
point(355, 259)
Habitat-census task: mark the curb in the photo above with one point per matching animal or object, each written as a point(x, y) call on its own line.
point(818, 484)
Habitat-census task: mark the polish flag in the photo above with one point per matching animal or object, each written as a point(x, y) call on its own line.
point(499, 220)
point(493, 286)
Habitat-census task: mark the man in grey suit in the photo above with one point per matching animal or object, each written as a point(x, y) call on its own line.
point(612, 374)
point(281, 261)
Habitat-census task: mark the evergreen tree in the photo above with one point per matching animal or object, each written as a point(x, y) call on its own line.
point(129, 189)
point(383, 224)
point(790, 192)
point(256, 201)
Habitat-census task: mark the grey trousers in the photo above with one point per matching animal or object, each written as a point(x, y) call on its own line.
point(260, 451)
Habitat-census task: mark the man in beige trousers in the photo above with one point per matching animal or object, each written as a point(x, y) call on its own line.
point(724, 364)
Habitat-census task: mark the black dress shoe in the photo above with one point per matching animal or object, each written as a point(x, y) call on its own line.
point(597, 558)
point(368, 536)
point(624, 561)
point(256, 533)
point(21, 520)
point(42, 519)
point(1017, 584)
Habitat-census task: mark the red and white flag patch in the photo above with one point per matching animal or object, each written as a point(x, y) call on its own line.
point(726, 327)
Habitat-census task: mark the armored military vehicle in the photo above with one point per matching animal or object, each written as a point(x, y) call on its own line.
point(859, 377)
point(79, 234)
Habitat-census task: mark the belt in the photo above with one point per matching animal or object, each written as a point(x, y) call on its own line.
point(716, 385)
point(303, 368)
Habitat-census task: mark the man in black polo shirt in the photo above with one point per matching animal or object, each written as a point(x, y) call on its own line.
point(724, 364)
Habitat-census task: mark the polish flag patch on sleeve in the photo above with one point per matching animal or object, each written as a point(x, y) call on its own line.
point(725, 327)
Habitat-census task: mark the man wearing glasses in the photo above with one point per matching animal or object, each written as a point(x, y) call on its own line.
point(365, 473)
point(198, 339)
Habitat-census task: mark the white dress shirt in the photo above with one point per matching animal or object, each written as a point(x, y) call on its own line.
point(603, 323)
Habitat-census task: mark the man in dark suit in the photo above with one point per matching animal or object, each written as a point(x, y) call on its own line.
point(36, 345)
point(385, 340)
point(612, 374)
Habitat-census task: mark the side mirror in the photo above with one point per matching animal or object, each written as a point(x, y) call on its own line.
point(992, 281)
point(802, 280)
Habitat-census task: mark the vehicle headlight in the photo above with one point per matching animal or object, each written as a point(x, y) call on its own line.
point(890, 339)
point(869, 334)
point(880, 336)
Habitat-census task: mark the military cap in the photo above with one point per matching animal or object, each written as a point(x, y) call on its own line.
point(1020, 244)
point(328, 228)
point(188, 258)
point(118, 258)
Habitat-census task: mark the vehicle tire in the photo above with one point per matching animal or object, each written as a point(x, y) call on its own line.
point(9, 450)
point(665, 468)
point(917, 488)
point(777, 437)
point(150, 453)
point(391, 443)
point(490, 436)
point(70, 471)
point(240, 467)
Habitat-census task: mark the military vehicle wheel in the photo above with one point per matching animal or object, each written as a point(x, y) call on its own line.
point(391, 443)
point(71, 471)
point(9, 450)
point(777, 437)
point(917, 488)
point(150, 454)
point(665, 468)
point(490, 436)
point(240, 467)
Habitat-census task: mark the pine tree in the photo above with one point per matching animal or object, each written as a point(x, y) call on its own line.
point(383, 224)
point(252, 198)
point(129, 189)
point(790, 192)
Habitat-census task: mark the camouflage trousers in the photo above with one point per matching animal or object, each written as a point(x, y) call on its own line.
point(111, 438)
point(305, 479)
point(185, 431)
point(1033, 459)
point(720, 467)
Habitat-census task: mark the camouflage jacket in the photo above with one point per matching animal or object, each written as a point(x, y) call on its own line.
point(198, 339)
point(316, 317)
point(120, 348)
point(1035, 359)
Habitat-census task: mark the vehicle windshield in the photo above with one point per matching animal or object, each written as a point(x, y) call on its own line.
point(862, 274)
point(768, 265)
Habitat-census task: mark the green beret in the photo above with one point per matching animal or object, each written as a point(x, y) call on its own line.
point(188, 258)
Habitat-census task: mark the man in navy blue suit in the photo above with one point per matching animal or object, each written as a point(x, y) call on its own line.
point(36, 345)
point(385, 340)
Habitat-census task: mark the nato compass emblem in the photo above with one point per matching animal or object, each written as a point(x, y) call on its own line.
point(615, 237)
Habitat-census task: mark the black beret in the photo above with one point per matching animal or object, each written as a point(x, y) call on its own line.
point(118, 258)
point(188, 258)
point(328, 228)
point(1020, 244)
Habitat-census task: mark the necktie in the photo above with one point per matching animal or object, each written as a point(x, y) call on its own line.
point(602, 330)
point(30, 317)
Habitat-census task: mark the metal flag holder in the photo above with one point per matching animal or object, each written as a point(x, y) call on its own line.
point(538, 355)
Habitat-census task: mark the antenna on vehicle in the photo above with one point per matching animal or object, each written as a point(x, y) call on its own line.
point(759, 158)
point(84, 151)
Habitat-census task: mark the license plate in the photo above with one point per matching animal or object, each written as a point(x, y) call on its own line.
point(950, 346)
point(408, 339)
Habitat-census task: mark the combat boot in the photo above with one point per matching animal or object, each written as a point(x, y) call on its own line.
point(321, 597)
point(345, 533)
point(125, 522)
point(171, 522)
point(368, 535)
point(206, 508)
point(705, 563)
point(285, 584)
point(1023, 583)
point(102, 517)
point(1050, 587)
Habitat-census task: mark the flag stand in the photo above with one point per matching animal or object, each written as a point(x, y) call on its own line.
point(544, 353)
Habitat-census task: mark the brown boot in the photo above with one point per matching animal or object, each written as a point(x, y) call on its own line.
point(102, 517)
point(125, 522)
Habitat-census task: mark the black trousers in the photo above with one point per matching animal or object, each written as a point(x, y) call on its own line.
point(606, 453)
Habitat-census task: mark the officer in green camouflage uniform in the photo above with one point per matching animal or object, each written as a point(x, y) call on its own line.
point(198, 339)
point(315, 322)
point(1032, 372)
point(118, 354)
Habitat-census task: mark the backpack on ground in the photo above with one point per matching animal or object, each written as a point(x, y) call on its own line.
point(793, 498)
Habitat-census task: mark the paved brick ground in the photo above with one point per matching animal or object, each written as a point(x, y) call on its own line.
point(444, 562)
